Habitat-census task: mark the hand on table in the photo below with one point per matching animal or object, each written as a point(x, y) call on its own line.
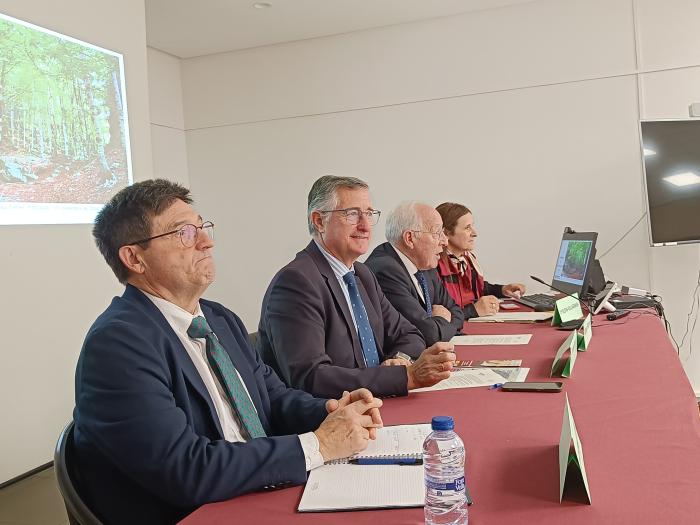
point(487, 305)
point(516, 290)
point(441, 311)
point(433, 365)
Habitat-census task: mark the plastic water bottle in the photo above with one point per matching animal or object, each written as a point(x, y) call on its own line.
point(443, 460)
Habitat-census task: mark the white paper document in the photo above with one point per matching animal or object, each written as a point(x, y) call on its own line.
point(512, 339)
point(513, 317)
point(465, 378)
point(347, 487)
point(512, 375)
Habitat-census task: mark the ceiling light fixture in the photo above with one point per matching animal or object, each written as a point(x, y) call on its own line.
point(687, 178)
point(262, 5)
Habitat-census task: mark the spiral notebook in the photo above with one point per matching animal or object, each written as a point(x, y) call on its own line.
point(340, 485)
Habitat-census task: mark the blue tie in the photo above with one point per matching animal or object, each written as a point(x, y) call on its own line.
point(420, 277)
point(364, 330)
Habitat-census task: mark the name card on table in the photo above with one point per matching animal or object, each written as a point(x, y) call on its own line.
point(572, 470)
point(563, 366)
point(585, 333)
point(567, 309)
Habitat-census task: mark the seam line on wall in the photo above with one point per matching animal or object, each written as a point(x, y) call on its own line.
point(635, 73)
point(166, 126)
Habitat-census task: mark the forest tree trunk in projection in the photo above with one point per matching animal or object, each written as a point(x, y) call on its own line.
point(63, 124)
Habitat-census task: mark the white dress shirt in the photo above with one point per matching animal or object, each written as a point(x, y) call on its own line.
point(339, 269)
point(180, 320)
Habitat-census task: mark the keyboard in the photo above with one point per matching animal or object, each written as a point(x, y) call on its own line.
point(538, 299)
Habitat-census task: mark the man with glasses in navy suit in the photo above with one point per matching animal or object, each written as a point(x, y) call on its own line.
point(174, 409)
point(325, 325)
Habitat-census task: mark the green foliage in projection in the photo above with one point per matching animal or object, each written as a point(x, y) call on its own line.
point(576, 257)
point(62, 125)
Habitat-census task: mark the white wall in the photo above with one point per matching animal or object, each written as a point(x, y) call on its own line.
point(167, 117)
point(535, 104)
point(669, 39)
point(54, 281)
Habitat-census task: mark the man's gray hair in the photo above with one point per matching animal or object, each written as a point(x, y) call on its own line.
point(403, 218)
point(324, 194)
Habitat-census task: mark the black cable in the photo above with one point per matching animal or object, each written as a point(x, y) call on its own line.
point(623, 320)
point(695, 300)
point(623, 237)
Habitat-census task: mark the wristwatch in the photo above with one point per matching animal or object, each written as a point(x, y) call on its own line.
point(407, 357)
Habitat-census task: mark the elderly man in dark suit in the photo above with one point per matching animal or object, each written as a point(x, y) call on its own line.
point(174, 409)
point(325, 325)
point(405, 269)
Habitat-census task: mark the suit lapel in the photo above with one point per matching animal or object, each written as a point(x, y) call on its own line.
point(180, 355)
point(339, 297)
point(407, 276)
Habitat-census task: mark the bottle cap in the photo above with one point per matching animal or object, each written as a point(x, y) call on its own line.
point(443, 423)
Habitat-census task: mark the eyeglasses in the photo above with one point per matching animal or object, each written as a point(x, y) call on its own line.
point(187, 233)
point(352, 215)
point(437, 234)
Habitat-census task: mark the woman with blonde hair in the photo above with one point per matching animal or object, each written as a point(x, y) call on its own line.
point(460, 272)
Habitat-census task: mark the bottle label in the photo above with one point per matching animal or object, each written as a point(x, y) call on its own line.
point(457, 485)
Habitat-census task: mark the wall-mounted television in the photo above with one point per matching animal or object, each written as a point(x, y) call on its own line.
point(671, 153)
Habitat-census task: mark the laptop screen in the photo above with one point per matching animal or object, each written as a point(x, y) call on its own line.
point(576, 252)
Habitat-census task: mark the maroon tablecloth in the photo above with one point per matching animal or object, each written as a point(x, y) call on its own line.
point(636, 415)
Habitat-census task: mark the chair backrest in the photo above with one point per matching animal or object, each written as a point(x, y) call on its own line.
point(78, 511)
point(253, 338)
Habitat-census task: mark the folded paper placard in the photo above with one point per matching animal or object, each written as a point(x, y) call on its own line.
point(562, 366)
point(585, 333)
point(572, 470)
point(566, 309)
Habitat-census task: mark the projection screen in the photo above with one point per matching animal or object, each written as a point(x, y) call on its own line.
point(64, 134)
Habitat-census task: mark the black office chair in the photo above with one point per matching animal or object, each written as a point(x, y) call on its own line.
point(78, 511)
point(253, 338)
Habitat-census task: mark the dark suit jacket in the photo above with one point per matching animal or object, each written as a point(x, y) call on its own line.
point(398, 287)
point(307, 335)
point(148, 442)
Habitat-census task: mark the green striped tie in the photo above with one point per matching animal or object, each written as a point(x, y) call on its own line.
point(222, 366)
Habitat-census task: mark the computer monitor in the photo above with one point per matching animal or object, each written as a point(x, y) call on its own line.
point(572, 269)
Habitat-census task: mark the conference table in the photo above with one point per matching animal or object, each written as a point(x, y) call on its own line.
point(632, 403)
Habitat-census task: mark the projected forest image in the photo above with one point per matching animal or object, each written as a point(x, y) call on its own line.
point(63, 128)
point(575, 259)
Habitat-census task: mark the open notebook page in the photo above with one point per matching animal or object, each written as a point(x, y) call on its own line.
point(397, 440)
point(348, 487)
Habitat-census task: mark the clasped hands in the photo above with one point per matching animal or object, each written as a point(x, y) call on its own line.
point(351, 422)
point(354, 418)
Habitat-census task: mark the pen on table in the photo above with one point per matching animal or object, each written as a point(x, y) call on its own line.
point(386, 461)
point(495, 386)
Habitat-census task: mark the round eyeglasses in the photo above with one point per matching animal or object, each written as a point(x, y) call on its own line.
point(437, 235)
point(187, 233)
point(352, 215)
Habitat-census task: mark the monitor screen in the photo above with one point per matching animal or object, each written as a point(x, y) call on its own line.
point(573, 262)
point(671, 153)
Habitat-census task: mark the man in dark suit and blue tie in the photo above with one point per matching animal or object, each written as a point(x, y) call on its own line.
point(325, 325)
point(174, 409)
point(405, 268)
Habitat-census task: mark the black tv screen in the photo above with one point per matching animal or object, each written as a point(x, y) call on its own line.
point(672, 176)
